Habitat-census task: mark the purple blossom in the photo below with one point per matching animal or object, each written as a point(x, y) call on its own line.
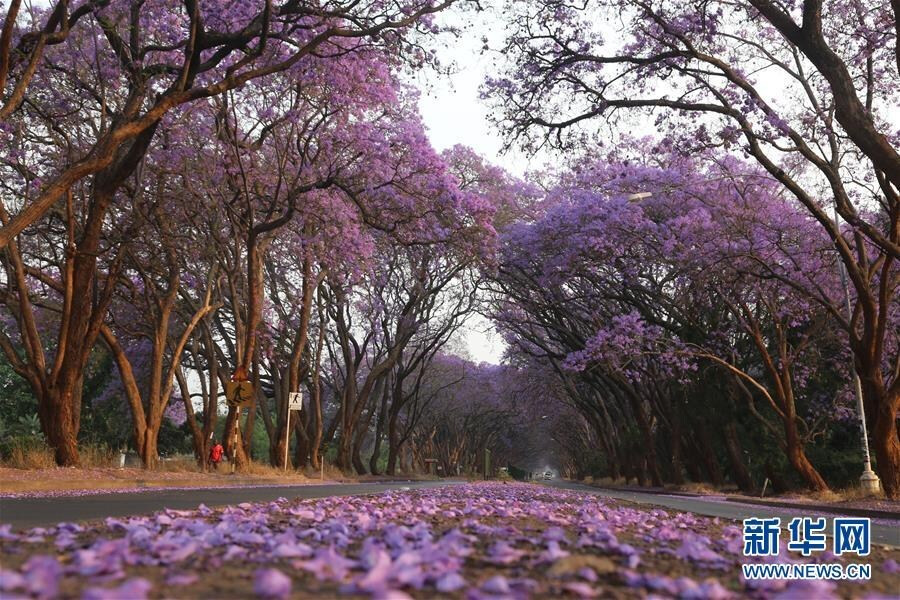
point(271, 583)
point(133, 589)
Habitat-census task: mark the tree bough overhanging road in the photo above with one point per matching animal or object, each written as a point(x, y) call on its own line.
point(292, 226)
point(808, 91)
point(481, 540)
point(206, 196)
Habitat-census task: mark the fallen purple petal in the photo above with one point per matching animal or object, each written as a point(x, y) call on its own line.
point(271, 583)
point(502, 540)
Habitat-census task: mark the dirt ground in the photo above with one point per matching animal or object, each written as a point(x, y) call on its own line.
point(79, 481)
point(19, 481)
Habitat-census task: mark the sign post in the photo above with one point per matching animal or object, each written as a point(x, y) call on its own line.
point(295, 402)
point(235, 441)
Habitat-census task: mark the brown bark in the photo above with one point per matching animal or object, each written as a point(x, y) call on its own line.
point(649, 451)
point(362, 428)
point(148, 408)
point(379, 431)
point(57, 387)
point(235, 451)
point(675, 451)
point(301, 452)
point(780, 392)
point(739, 472)
point(316, 396)
point(201, 437)
point(708, 456)
point(132, 124)
point(691, 466)
point(627, 470)
point(196, 433)
point(356, 453)
point(60, 420)
point(393, 441)
point(211, 399)
point(848, 108)
point(294, 371)
point(6, 40)
point(886, 444)
point(797, 455)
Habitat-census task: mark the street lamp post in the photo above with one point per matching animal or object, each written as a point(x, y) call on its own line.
point(639, 196)
point(868, 481)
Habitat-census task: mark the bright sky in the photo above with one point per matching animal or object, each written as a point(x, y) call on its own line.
point(454, 114)
point(450, 105)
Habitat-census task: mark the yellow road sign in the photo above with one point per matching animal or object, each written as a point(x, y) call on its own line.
point(238, 393)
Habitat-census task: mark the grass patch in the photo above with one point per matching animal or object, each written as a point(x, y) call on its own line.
point(26, 453)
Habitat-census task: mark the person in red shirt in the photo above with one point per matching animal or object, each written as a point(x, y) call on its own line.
point(215, 454)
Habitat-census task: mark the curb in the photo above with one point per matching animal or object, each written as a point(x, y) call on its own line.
point(837, 510)
point(654, 491)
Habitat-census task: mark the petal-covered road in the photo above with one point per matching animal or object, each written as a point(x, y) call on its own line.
point(482, 540)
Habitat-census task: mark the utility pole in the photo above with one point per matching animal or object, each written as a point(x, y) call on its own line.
point(868, 481)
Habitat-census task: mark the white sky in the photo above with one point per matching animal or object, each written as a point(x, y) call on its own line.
point(450, 105)
point(454, 114)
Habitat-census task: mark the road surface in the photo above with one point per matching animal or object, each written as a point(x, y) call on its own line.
point(883, 532)
point(33, 512)
point(22, 513)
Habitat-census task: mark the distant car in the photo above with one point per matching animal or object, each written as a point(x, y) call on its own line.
point(548, 475)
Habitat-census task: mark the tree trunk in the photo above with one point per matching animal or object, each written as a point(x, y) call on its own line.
point(797, 457)
point(60, 421)
point(393, 443)
point(739, 471)
point(708, 455)
point(693, 470)
point(675, 449)
point(210, 395)
point(641, 471)
point(358, 439)
point(301, 452)
point(357, 458)
point(235, 451)
point(277, 445)
point(148, 451)
point(345, 443)
point(379, 431)
point(197, 441)
point(779, 484)
point(403, 458)
point(315, 401)
point(887, 446)
point(627, 471)
point(643, 421)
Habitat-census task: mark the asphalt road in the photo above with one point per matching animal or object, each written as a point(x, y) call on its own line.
point(23, 513)
point(883, 532)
